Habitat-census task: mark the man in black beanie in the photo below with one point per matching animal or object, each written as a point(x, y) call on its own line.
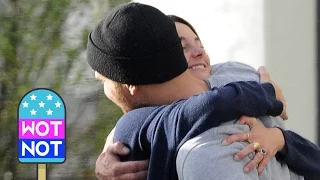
point(136, 52)
point(129, 46)
point(132, 47)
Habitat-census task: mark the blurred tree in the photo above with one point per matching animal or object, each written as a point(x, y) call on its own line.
point(9, 39)
point(27, 40)
point(30, 34)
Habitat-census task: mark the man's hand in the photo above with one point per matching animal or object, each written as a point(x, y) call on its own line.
point(265, 77)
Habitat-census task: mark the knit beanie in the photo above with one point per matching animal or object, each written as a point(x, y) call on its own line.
point(136, 44)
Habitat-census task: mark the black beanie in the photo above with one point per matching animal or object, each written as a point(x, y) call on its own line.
point(136, 44)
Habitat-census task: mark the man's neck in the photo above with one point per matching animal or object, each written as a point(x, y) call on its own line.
point(181, 87)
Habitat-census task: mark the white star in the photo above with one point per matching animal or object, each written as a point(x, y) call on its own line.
point(58, 104)
point(49, 112)
point(25, 104)
point(33, 112)
point(49, 97)
point(41, 104)
point(33, 97)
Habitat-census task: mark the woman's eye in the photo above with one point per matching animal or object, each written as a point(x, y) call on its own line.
point(200, 45)
point(185, 47)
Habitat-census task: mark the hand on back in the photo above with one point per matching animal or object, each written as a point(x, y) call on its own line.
point(109, 166)
point(265, 77)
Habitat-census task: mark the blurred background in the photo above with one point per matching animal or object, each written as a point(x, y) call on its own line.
point(43, 44)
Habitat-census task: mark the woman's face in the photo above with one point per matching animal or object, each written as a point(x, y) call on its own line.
point(197, 58)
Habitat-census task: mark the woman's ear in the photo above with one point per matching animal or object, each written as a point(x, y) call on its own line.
point(132, 89)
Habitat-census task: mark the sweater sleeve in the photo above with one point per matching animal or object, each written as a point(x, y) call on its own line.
point(158, 132)
point(219, 105)
point(301, 155)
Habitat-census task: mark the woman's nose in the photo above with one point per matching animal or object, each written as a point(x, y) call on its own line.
point(197, 51)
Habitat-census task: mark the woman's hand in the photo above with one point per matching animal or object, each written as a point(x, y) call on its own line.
point(266, 142)
point(109, 166)
point(265, 77)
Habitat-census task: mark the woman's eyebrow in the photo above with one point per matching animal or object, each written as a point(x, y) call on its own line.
point(184, 39)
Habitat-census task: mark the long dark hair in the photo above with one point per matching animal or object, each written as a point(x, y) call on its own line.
point(183, 21)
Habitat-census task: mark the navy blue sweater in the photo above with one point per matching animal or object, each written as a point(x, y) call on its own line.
point(156, 133)
point(301, 156)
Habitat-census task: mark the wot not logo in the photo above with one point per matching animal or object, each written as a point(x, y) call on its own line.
point(41, 128)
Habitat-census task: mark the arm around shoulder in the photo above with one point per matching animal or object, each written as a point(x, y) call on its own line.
point(234, 100)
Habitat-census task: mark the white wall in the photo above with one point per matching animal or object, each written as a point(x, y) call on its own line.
point(277, 33)
point(290, 49)
point(229, 29)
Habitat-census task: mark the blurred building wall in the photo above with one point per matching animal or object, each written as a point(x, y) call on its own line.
point(290, 55)
point(280, 34)
point(231, 30)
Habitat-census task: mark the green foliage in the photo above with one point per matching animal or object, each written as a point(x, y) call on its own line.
point(108, 115)
point(85, 38)
point(30, 36)
point(26, 45)
point(114, 3)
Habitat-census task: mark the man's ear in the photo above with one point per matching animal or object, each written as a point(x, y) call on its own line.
point(132, 89)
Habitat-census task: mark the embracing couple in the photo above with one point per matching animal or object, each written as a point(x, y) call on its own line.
point(185, 119)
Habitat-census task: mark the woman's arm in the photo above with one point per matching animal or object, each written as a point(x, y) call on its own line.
point(109, 166)
point(220, 105)
point(301, 156)
point(235, 100)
